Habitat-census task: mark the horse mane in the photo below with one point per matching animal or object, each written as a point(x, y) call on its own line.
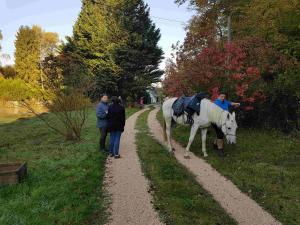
point(214, 112)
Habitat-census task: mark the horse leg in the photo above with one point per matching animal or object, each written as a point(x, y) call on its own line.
point(191, 139)
point(168, 131)
point(203, 138)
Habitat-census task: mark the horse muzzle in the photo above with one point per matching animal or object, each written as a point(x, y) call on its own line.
point(231, 139)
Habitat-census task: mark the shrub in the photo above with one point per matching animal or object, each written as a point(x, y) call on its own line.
point(68, 112)
point(8, 71)
point(17, 90)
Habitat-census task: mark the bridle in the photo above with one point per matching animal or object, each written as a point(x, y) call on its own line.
point(225, 133)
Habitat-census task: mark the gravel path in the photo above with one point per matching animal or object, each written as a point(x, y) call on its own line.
point(125, 182)
point(242, 208)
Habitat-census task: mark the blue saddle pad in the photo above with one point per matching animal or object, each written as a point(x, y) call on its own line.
point(180, 105)
point(188, 104)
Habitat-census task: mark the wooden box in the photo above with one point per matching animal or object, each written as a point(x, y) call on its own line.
point(12, 173)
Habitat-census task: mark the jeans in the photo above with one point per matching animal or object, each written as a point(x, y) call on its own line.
point(114, 143)
point(103, 132)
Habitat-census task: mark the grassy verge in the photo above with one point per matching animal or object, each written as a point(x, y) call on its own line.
point(178, 197)
point(10, 118)
point(64, 185)
point(264, 164)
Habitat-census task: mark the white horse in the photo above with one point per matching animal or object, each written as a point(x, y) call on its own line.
point(209, 113)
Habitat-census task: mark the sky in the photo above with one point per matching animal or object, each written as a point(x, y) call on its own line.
point(60, 15)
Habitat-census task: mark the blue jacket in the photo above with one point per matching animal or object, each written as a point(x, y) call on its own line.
point(225, 105)
point(101, 113)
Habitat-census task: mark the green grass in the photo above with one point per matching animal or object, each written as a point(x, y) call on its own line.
point(178, 197)
point(10, 118)
point(64, 185)
point(264, 164)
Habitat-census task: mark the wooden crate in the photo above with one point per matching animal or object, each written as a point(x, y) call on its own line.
point(12, 173)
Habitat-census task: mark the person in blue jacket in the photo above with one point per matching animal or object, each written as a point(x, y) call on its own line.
point(224, 104)
point(101, 113)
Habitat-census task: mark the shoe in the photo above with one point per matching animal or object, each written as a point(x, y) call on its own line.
point(111, 155)
point(117, 156)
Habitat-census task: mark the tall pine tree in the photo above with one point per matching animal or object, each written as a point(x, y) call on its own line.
point(96, 35)
point(140, 57)
point(27, 55)
point(117, 42)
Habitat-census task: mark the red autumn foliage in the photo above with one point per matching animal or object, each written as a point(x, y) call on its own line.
point(237, 67)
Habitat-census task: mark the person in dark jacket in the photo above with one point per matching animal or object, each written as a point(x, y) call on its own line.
point(116, 124)
point(101, 112)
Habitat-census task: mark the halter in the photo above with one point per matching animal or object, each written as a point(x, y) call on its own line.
point(227, 134)
point(224, 124)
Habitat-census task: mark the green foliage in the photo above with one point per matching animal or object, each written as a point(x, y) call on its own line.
point(140, 57)
point(278, 23)
point(116, 43)
point(32, 46)
point(17, 90)
point(64, 70)
point(95, 36)
point(178, 197)
point(263, 164)
point(27, 55)
point(283, 104)
point(8, 71)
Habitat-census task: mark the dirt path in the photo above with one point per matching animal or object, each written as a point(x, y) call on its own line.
point(125, 182)
point(243, 209)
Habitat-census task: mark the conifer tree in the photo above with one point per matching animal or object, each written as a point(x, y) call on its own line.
point(27, 55)
point(95, 36)
point(117, 42)
point(139, 59)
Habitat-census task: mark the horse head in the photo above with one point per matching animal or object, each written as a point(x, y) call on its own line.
point(229, 127)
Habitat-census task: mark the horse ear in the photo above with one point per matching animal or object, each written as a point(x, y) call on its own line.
point(228, 116)
point(233, 114)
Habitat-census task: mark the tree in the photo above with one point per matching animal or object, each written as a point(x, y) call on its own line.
point(49, 44)
point(278, 24)
point(117, 43)
point(27, 55)
point(32, 46)
point(139, 58)
point(96, 35)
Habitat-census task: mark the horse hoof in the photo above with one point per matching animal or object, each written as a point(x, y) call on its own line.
point(173, 150)
point(205, 156)
point(187, 157)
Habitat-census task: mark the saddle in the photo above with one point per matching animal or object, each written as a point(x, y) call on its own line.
point(189, 106)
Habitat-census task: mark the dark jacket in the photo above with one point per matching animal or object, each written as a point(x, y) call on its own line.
point(116, 118)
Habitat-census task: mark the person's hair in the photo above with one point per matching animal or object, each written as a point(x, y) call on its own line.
point(115, 100)
point(102, 95)
point(223, 93)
